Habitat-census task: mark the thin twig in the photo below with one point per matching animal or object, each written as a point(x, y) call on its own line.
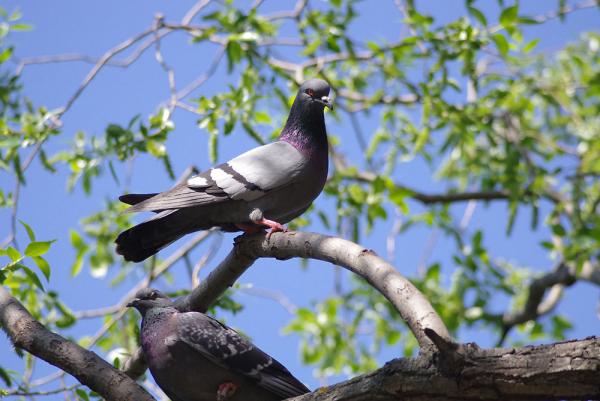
point(277, 296)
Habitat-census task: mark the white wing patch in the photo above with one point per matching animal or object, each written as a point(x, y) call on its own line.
point(197, 182)
point(233, 185)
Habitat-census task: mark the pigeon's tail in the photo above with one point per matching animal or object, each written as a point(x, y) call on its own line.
point(144, 240)
point(134, 199)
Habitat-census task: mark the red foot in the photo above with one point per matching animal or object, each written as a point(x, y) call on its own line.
point(258, 226)
point(273, 225)
point(226, 390)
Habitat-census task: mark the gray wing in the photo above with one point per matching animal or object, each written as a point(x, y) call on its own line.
point(225, 347)
point(247, 177)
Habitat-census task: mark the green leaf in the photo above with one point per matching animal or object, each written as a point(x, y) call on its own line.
point(37, 248)
point(558, 229)
point(529, 46)
point(262, 117)
point(478, 15)
point(43, 265)
point(76, 240)
point(5, 377)
point(78, 264)
point(501, 43)
point(21, 27)
point(33, 277)
point(13, 254)
point(30, 232)
point(5, 54)
point(82, 394)
point(508, 17)
point(213, 147)
point(234, 54)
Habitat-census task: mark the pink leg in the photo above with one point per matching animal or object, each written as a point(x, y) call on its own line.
point(226, 390)
point(273, 225)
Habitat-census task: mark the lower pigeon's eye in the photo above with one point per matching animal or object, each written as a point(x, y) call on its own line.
point(310, 92)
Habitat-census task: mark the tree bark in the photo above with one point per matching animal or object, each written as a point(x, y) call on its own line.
point(87, 367)
point(565, 370)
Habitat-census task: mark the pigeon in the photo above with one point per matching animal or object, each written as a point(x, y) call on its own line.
point(194, 357)
point(262, 188)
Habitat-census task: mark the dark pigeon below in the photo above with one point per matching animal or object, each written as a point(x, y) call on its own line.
point(194, 357)
point(265, 187)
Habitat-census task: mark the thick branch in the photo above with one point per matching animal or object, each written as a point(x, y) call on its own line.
point(91, 370)
point(567, 370)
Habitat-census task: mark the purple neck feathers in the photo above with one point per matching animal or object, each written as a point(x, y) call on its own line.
point(305, 129)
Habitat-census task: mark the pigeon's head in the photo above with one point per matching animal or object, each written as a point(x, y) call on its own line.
point(316, 92)
point(148, 298)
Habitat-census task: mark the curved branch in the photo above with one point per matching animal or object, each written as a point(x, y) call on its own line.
point(535, 305)
point(414, 308)
point(91, 370)
point(410, 303)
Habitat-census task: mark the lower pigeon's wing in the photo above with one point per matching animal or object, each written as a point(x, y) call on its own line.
point(225, 347)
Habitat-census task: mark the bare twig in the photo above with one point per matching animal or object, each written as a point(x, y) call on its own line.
point(101, 63)
point(289, 14)
point(276, 296)
point(534, 307)
point(159, 23)
point(556, 14)
point(189, 88)
point(192, 12)
point(20, 392)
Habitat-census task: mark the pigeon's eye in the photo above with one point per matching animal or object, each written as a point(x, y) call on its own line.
point(152, 295)
point(310, 92)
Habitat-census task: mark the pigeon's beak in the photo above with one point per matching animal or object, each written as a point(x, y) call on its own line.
point(325, 101)
point(133, 303)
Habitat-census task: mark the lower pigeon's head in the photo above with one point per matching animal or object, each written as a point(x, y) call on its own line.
point(149, 298)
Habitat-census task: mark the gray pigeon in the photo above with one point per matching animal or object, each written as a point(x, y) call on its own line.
point(194, 357)
point(265, 187)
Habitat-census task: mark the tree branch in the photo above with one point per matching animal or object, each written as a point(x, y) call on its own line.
point(414, 308)
point(566, 370)
point(536, 305)
point(91, 370)
point(410, 303)
point(447, 197)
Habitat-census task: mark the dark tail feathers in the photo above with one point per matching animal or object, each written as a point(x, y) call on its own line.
point(134, 199)
point(144, 240)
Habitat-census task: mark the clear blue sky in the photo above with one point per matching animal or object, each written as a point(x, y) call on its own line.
point(117, 95)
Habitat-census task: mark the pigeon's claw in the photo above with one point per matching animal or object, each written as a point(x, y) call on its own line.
point(226, 390)
point(273, 225)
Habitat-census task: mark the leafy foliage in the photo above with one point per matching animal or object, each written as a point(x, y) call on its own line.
point(469, 98)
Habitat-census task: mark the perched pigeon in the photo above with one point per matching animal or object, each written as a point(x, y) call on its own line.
point(194, 357)
point(264, 187)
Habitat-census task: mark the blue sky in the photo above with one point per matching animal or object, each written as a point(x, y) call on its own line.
point(117, 94)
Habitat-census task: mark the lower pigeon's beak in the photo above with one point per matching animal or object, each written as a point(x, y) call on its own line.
point(133, 303)
point(325, 101)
